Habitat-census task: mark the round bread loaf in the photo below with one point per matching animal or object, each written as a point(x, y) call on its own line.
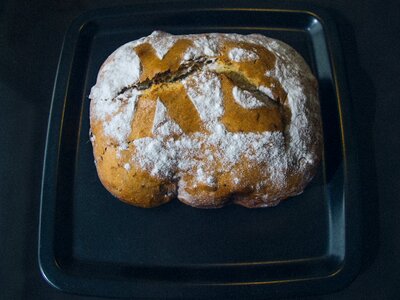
point(209, 119)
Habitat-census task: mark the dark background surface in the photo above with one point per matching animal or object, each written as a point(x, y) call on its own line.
point(31, 34)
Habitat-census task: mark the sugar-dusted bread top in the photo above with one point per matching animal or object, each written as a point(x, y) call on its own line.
point(209, 119)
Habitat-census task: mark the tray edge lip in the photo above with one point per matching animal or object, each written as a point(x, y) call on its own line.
point(350, 149)
point(47, 262)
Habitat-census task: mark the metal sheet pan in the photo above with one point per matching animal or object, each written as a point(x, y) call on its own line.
point(93, 244)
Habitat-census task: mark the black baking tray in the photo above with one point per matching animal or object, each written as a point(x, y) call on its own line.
point(90, 243)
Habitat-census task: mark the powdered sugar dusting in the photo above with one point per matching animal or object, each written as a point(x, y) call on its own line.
point(204, 90)
point(118, 126)
point(239, 55)
point(293, 74)
point(246, 99)
point(122, 69)
point(202, 45)
point(267, 91)
point(161, 42)
point(172, 154)
point(163, 125)
point(205, 177)
point(156, 156)
point(174, 158)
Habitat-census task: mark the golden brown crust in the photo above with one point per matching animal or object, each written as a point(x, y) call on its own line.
point(134, 186)
point(240, 119)
point(155, 138)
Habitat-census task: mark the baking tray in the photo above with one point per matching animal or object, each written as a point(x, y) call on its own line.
point(93, 244)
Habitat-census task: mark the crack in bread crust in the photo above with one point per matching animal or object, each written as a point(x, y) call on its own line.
point(168, 76)
point(188, 68)
point(211, 64)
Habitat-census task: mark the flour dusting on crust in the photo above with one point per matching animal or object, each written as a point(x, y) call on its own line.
point(117, 115)
point(204, 90)
point(239, 55)
point(161, 42)
point(163, 125)
point(171, 154)
point(121, 69)
point(246, 99)
point(267, 91)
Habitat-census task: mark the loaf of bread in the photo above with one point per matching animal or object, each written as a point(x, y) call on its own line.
point(209, 119)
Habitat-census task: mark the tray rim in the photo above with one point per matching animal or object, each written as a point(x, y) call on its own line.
point(54, 274)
